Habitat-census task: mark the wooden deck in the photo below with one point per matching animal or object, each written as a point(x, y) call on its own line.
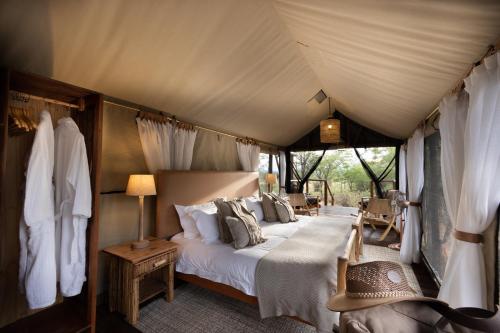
point(338, 210)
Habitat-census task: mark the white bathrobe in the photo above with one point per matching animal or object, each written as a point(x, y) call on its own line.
point(73, 205)
point(37, 266)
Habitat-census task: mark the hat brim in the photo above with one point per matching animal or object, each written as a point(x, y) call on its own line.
point(341, 302)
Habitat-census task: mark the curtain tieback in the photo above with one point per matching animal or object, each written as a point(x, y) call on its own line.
point(468, 237)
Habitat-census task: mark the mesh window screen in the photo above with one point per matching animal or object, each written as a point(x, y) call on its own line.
point(437, 228)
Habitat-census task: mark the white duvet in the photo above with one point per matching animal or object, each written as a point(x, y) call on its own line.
point(222, 263)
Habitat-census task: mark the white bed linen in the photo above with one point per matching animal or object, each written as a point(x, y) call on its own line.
point(224, 264)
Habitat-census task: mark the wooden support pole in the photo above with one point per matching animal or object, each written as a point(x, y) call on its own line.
point(325, 193)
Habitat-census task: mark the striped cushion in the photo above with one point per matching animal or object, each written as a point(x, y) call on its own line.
point(224, 210)
point(244, 229)
point(284, 210)
point(270, 214)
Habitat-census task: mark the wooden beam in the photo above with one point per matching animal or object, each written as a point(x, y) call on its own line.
point(220, 288)
point(93, 243)
point(4, 136)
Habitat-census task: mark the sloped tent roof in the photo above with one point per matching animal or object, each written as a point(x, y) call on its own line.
point(352, 134)
point(249, 67)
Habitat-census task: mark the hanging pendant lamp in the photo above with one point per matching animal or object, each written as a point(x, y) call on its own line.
point(330, 128)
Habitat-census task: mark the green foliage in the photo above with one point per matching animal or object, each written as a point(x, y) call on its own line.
point(303, 161)
point(343, 171)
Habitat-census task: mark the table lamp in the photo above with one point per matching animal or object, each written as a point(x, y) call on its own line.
point(141, 185)
point(270, 180)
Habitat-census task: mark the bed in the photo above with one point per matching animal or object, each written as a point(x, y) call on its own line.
point(240, 273)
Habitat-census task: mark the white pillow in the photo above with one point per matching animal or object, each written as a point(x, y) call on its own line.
point(255, 204)
point(207, 225)
point(187, 222)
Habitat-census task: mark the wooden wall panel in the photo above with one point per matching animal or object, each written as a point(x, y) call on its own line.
point(13, 304)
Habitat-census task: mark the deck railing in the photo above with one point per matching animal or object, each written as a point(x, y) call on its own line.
point(327, 192)
point(392, 183)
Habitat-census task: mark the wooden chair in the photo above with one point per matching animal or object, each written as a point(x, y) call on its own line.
point(300, 206)
point(380, 212)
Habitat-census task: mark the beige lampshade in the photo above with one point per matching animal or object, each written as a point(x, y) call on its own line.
point(330, 131)
point(139, 185)
point(271, 178)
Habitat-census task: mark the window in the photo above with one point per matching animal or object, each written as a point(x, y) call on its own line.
point(437, 227)
point(344, 174)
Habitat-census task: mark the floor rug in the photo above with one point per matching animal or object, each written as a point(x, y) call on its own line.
point(198, 310)
point(373, 252)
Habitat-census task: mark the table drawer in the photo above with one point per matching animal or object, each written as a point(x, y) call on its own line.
point(154, 263)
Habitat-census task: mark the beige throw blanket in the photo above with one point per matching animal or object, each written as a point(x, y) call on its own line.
point(298, 277)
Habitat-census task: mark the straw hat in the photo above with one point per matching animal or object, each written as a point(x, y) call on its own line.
point(374, 283)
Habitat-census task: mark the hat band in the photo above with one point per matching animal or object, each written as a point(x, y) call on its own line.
point(379, 294)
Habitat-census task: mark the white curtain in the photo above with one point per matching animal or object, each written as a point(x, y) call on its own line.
point(410, 244)
point(402, 180)
point(282, 171)
point(164, 146)
point(183, 148)
point(471, 182)
point(157, 144)
point(248, 155)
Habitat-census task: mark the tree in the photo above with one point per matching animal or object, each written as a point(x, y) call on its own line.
point(303, 161)
point(328, 167)
point(379, 158)
point(356, 178)
point(342, 168)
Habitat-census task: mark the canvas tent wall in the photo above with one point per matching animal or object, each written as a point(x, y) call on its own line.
point(249, 67)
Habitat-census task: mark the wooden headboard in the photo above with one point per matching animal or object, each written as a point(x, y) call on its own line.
point(195, 187)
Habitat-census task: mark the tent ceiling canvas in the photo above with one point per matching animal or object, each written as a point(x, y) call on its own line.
point(236, 65)
point(388, 63)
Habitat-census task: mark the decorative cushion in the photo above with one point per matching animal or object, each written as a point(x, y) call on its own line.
point(239, 232)
point(270, 214)
point(245, 232)
point(207, 226)
point(224, 210)
point(255, 204)
point(285, 211)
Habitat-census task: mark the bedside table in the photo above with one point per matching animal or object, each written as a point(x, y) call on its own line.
point(136, 275)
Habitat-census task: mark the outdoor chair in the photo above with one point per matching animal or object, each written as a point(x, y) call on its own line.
point(380, 212)
point(300, 206)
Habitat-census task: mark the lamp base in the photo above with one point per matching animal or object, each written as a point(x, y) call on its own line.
point(140, 244)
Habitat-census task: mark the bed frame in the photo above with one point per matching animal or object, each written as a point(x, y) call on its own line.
point(352, 251)
point(194, 187)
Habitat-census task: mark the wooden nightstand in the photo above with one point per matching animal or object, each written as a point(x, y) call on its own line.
point(138, 275)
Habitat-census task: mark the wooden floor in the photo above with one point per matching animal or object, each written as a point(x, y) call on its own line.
point(372, 236)
point(108, 322)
